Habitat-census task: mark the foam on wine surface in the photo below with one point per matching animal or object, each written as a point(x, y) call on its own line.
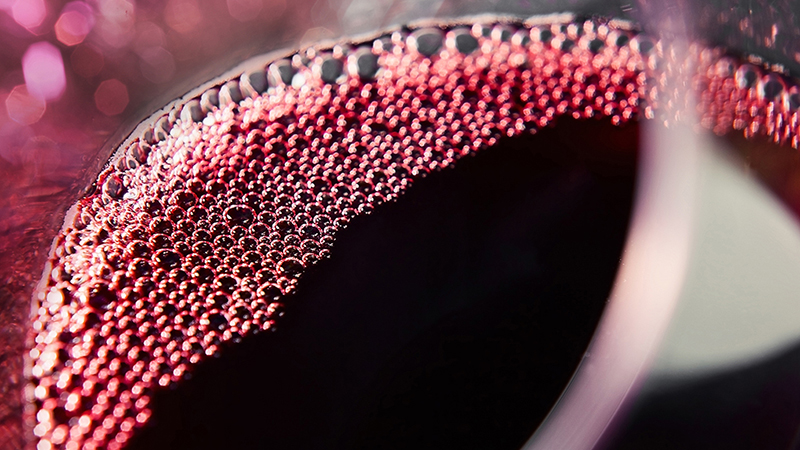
point(453, 317)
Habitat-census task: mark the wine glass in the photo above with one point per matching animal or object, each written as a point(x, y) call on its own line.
point(108, 98)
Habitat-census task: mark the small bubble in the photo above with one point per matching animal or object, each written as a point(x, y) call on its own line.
point(167, 259)
point(140, 268)
point(310, 232)
point(183, 198)
point(226, 283)
point(203, 274)
point(98, 296)
point(746, 76)
point(218, 299)
point(161, 225)
point(159, 241)
point(217, 322)
point(770, 87)
point(291, 267)
point(269, 292)
point(203, 248)
point(113, 187)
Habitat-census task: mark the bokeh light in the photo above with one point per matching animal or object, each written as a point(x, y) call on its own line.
point(24, 108)
point(183, 16)
point(87, 61)
point(75, 22)
point(44, 71)
point(29, 13)
point(111, 97)
point(119, 18)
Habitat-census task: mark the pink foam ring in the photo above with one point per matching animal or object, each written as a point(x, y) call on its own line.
point(43, 70)
point(29, 13)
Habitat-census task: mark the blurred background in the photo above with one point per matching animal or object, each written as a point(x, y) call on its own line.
point(76, 76)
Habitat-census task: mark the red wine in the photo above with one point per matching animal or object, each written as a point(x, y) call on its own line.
point(203, 225)
point(452, 317)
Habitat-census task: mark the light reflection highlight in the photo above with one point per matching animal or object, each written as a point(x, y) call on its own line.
point(43, 69)
point(29, 13)
point(74, 24)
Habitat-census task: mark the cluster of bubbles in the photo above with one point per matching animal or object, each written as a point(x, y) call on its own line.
point(201, 227)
